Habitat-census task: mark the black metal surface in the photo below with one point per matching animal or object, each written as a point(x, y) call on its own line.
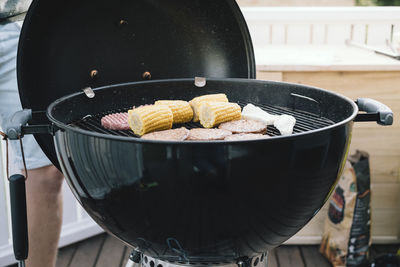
point(37, 129)
point(305, 121)
point(368, 117)
point(68, 45)
point(214, 201)
point(19, 217)
point(135, 256)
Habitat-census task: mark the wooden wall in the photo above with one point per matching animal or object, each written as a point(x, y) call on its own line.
point(382, 143)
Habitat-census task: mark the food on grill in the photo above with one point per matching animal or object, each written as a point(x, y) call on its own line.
point(245, 136)
point(285, 124)
point(180, 109)
point(227, 116)
point(208, 134)
point(150, 118)
point(214, 113)
point(196, 102)
point(179, 134)
point(141, 106)
point(244, 126)
point(252, 112)
point(115, 121)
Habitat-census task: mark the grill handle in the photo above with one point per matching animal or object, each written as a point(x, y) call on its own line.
point(19, 217)
point(17, 125)
point(14, 124)
point(376, 111)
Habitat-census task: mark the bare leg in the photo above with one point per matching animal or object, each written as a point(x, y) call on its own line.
point(44, 208)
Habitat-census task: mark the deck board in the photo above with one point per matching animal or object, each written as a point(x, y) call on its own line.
point(125, 258)
point(312, 257)
point(111, 253)
point(289, 256)
point(272, 261)
point(380, 250)
point(106, 251)
point(65, 256)
point(87, 252)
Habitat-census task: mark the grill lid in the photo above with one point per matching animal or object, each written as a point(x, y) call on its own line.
point(69, 45)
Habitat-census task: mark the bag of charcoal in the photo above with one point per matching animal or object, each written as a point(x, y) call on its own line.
point(347, 234)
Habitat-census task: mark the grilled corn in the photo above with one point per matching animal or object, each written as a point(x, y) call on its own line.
point(181, 110)
point(213, 113)
point(196, 102)
point(150, 118)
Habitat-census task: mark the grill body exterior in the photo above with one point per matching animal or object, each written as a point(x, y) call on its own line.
point(214, 202)
point(202, 201)
point(217, 200)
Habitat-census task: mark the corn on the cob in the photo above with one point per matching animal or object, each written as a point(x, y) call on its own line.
point(196, 102)
point(180, 109)
point(213, 113)
point(150, 118)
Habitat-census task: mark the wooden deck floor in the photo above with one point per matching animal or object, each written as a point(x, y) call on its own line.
point(105, 251)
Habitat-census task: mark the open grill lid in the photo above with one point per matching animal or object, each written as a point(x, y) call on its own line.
point(69, 45)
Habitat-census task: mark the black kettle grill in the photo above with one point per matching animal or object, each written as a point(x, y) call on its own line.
point(176, 203)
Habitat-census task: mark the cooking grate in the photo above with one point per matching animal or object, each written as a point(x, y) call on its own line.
point(304, 121)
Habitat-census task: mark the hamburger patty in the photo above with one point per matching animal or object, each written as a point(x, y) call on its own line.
point(179, 134)
point(244, 126)
point(115, 121)
point(236, 137)
point(208, 134)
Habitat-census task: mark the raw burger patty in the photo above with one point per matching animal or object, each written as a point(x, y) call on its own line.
point(208, 134)
point(115, 121)
point(244, 126)
point(235, 137)
point(179, 134)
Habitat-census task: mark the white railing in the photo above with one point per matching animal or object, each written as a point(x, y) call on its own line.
point(322, 25)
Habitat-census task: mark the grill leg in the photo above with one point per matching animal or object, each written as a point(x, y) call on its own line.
point(134, 259)
point(264, 262)
point(259, 261)
point(132, 264)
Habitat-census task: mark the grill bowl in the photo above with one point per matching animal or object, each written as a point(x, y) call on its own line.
point(215, 201)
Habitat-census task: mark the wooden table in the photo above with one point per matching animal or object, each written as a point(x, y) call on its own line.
point(354, 73)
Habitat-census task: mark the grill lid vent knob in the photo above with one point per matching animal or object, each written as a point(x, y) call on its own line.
point(200, 81)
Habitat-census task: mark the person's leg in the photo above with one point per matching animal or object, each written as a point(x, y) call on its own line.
point(44, 207)
point(43, 186)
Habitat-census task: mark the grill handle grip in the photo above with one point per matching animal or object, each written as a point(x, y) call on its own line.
point(376, 111)
point(18, 216)
point(13, 126)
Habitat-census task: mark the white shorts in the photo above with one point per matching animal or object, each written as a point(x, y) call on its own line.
point(10, 102)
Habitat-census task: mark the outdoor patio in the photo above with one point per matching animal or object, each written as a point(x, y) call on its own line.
point(304, 45)
point(104, 250)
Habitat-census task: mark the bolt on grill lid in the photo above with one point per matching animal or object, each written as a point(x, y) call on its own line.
point(66, 46)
